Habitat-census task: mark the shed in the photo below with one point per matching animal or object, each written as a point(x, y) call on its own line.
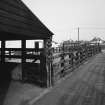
point(17, 22)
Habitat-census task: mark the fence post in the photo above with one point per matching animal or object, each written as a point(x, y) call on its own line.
point(99, 47)
point(62, 58)
point(48, 57)
point(43, 73)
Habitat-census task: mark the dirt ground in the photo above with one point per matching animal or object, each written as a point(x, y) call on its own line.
point(86, 86)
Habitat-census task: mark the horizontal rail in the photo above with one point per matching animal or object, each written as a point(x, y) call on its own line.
point(12, 56)
point(20, 49)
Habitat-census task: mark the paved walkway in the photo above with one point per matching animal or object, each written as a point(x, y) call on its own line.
point(85, 86)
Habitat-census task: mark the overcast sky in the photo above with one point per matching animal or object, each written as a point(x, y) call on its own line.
point(63, 17)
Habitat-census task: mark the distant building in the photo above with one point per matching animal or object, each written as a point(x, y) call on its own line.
point(97, 40)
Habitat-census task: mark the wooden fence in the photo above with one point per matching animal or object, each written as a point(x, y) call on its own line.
point(66, 58)
point(47, 70)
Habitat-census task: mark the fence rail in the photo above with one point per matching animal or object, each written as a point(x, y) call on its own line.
point(68, 57)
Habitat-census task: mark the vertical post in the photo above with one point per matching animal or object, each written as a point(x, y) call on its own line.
point(46, 66)
point(37, 46)
point(62, 58)
point(23, 47)
point(48, 55)
point(2, 51)
point(42, 70)
point(78, 35)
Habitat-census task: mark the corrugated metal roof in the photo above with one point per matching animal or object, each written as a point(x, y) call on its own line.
point(17, 19)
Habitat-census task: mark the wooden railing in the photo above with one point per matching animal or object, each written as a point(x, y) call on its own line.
point(31, 70)
point(16, 53)
point(65, 59)
point(61, 60)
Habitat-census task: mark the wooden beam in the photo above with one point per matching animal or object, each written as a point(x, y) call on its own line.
point(2, 51)
point(23, 46)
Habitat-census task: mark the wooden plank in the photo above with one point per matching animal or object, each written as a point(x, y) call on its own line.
point(13, 49)
point(2, 51)
point(20, 49)
point(12, 56)
point(14, 3)
point(8, 30)
point(32, 57)
point(24, 26)
point(13, 10)
point(33, 49)
point(17, 17)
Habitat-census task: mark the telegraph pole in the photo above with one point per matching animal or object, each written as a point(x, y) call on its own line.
point(78, 35)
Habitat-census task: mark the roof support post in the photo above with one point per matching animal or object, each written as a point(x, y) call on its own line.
point(2, 51)
point(23, 46)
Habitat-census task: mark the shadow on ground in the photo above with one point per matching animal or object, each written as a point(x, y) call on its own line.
point(5, 79)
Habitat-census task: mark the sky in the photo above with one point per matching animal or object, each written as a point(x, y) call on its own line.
point(63, 17)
